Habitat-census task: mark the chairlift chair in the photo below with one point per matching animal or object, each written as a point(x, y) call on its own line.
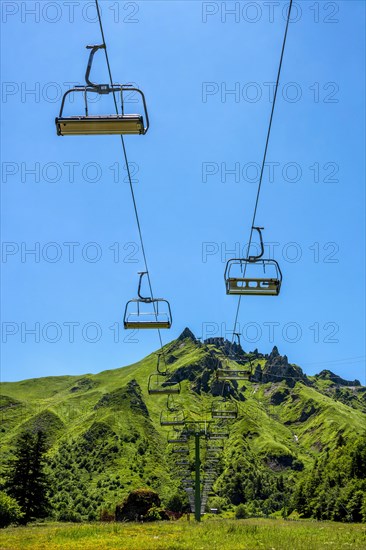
point(224, 408)
point(168, 418)
point(158, 385)
point(182, 463)
point(176, 438)
point(238, 282)
point(219, 435)
point(235, 374)
point(211, 455)
point(101, 124)
point(172, 405)
point(153, 318)
point(215, 448)
point(184, 473)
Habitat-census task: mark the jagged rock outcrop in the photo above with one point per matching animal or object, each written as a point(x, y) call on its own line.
point(229, 349)
point(170, 359)
point(279, 396)
point(187, 333)
point(199, 373)
point(257, 374)
point(224, 389)
point(277, 369)
point(329, 375)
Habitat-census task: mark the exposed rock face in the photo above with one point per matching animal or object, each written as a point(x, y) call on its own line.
point(170, 359)
point(200, 373)
point(329, 375)
point(84, 384)
point(131, 393)
point(279, 396)
point(257, 375)
point(187, 333)
point(225, 389)
point(230, 349)
point(277, 368)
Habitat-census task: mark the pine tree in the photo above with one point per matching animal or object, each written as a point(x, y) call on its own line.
point(27, 481)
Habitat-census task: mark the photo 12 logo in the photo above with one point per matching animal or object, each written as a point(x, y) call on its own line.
point(67, 172)
point(291, 252)
point(253, 92)
point(68, 11)
point(71, 252)
point(272, 332)
point(71, 332)
point(273, 172)
point(269, 11)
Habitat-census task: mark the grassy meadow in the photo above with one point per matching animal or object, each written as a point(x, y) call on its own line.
point(212, 534)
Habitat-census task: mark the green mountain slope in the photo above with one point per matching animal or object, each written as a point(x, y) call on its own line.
point(106, 438)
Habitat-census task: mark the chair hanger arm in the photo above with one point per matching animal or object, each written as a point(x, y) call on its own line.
point(93, 49)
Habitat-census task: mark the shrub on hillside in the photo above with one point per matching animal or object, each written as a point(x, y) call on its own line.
point(10, 511)
point(156, 514)
point(218, 503)
point(241, 512)
point(106, 515)
point(137, 504)
point(175, 504)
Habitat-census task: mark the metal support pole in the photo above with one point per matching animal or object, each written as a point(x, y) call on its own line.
point(197, 489)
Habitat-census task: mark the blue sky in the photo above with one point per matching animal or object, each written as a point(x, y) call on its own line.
point(186, 57)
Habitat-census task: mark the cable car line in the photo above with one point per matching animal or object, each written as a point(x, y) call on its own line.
point(128, 169)
point(265, 152)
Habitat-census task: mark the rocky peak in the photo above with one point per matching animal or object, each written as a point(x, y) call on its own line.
point(230, 349)
point(187, 333)
point(329, 375)
point(274, 353)
point(277, 368)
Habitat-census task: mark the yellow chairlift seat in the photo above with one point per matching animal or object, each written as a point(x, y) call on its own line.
point(224, 414)
point(228, 373)
point(157, 386)
point(169, 419)
point(239, 282)
point(177, 439)
point(217, 436)
point(113, 124)
point(231, 374)
point(100, 125)
point(211, 454)
point(251, 286)
point(224, 409)
point(185, 474)
point(145, 324)
point(155, 318)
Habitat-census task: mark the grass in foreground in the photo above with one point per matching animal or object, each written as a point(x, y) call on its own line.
point(216, 534)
